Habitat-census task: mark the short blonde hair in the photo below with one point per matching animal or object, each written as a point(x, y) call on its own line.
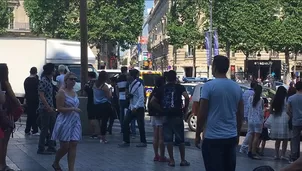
point(68, 75)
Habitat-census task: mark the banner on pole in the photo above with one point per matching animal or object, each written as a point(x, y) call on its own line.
point(216, 43)
point(207, 46)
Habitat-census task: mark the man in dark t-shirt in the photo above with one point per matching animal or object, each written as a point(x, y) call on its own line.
point(169, 100)
point(32, 101)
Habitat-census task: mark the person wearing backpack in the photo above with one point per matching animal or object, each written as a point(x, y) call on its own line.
point(136, 110)
point(168, 99)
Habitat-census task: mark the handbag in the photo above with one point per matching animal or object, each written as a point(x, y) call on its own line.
point(14, 110)
point(5, 122)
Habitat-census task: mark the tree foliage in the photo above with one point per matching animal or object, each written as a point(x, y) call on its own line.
point(185, 26)
point(4, 16)
point(242, 24)
point(116, 21)
point(108, 21)
point(47, 16)
point(184, 23)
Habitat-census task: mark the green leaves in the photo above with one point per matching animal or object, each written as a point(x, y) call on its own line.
point(184, 23)
point(111, 21)
point(4, 16)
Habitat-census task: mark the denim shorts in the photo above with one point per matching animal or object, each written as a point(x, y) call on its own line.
point(173, 126)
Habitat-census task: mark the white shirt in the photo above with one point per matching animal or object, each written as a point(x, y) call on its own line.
point(137, 90)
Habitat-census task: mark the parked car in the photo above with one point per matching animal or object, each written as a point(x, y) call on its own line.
point(190, 117)
point(267, 95)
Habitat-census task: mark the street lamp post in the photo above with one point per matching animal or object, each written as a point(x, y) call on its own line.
point(258, 58)
point(270, 66)
point(210, 40)
point(84, 52)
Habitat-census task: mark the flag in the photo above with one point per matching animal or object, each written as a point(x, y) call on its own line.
point(139, 48)
point(216, 43)
point(207, 46)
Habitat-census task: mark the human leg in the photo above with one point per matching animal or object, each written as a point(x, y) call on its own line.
point(277, 149)
point(72, 152)
point(62, 151)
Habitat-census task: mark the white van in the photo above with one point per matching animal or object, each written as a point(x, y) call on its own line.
point(20, 54)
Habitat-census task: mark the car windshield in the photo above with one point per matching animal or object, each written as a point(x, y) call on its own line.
point(149, 79)
point(76, 69)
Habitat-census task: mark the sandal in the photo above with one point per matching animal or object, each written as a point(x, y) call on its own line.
point(171, 164)
point(184, 163)
point(56, 168)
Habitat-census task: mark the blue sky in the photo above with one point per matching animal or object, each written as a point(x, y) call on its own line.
point(148, 4)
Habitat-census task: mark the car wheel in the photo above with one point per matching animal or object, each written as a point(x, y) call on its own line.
point(192, 122)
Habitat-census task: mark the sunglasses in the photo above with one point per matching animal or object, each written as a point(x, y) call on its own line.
point(72, 79)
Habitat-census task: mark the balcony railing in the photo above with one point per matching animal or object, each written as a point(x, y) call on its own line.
point(18, 26)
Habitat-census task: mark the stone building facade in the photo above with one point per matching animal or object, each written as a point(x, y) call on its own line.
point(19, 23)
point(162, 52)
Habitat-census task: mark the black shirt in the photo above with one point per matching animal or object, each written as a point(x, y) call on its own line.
point(165, 97)
point(31, 90)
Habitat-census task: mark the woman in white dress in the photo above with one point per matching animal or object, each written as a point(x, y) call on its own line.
point(255, 118)
point(278, 122)
point(68, 128)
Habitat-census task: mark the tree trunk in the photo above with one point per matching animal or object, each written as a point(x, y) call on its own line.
point(174, 57)
point(286, 71)
point(228, 54)
point(247, 54)
point(194, 61)
point(228, 49)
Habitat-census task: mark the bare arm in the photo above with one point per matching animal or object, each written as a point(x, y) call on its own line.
point(202, 115)
point(60, 101)
point(107, 91)
point(296, 166)
point(11, 94)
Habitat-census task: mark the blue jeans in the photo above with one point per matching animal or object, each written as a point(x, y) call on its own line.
point(219, 154)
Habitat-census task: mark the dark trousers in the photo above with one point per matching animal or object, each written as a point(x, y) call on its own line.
point(112, 117)
point(123, 105)
point(47, 121)
point(295, 142)
point(219, 154)
point(140, 116)
point(31, 122)
point(105, 111)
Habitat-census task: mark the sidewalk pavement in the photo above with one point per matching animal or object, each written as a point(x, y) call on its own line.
point(93, 156)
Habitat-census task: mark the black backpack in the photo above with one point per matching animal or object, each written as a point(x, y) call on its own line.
point(171, 101)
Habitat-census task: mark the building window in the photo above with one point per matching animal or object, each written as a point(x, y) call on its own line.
point(189, 52)
point(233, 54)
point(11, 18)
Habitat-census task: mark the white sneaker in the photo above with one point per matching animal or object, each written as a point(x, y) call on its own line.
point(36, 134)
point(243, 151)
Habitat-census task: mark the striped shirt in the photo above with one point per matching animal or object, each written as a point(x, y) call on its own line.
point(122, 85)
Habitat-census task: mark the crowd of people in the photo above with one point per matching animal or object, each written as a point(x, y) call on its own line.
point(54, 109)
